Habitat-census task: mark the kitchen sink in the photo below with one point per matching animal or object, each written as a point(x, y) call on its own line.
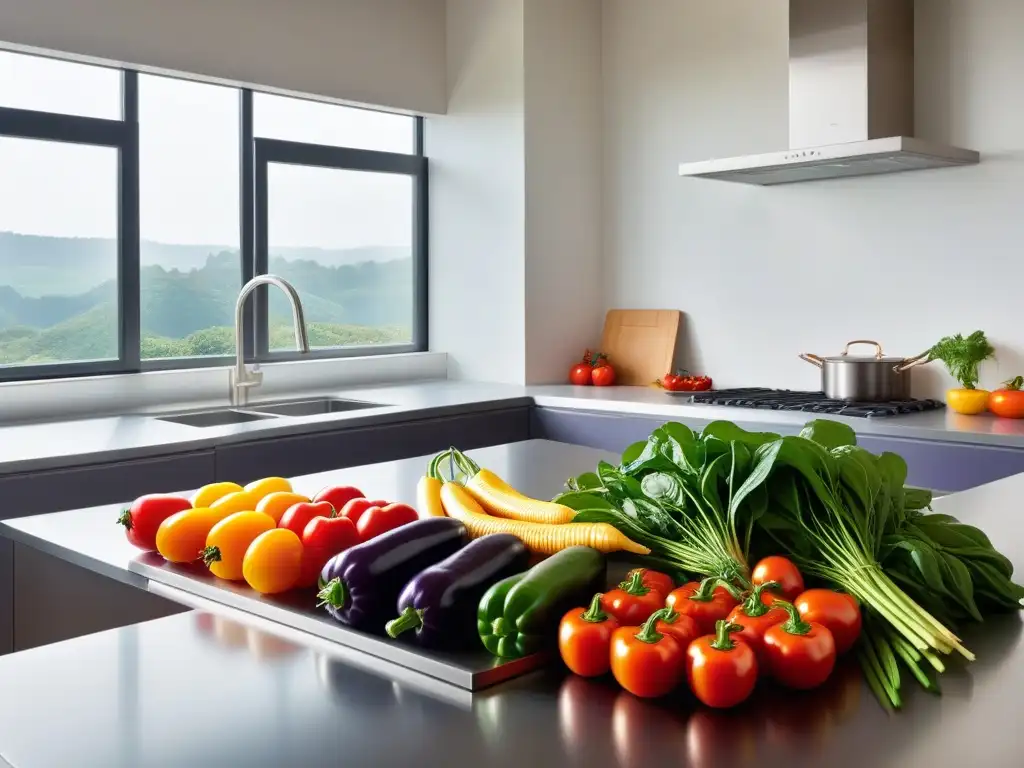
point(311, 407)
point(218, 418)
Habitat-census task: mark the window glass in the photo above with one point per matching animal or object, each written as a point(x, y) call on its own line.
point(344, 240)
point(189, 186)
point(316, 122)
point(58, 252)
point(65, 87)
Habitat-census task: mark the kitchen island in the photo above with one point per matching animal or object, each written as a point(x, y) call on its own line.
point(215, 686)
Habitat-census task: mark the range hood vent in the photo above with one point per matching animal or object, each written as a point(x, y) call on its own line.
point(851, 100)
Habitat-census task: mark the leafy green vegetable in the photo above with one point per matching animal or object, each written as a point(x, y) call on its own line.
point(962, 356)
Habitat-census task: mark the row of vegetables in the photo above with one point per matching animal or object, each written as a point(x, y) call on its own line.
point(887, 580)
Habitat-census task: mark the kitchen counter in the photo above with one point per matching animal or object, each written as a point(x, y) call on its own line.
point(214, 687)
point(36, 446)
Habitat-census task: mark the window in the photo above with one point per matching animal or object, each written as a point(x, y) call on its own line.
point(133, 207)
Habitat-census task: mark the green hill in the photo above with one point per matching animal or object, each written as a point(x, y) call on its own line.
point(191, 311)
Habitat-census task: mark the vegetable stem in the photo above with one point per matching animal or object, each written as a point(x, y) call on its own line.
point(410, 618)
point(722, 641)
point(594, 614)
point(648, 633)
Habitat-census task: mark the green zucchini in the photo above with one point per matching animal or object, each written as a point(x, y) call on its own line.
point(519, 615)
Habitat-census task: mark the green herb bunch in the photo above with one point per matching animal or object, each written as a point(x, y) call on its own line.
point(961, 356)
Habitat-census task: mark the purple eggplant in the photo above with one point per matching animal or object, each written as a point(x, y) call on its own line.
point(361, 585)
point(440, 603)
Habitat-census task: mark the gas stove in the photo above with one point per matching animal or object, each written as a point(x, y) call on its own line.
point(813, 402)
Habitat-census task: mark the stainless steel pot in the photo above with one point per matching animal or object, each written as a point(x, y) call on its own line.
point(865, 379)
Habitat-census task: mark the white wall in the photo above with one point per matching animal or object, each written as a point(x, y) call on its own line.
point(477, 172)
point(765, 273)
point(564, 311)
point(384, 52)
point(515, 287)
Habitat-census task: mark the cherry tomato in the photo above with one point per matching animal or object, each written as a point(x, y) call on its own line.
point(579, 375)
point(229, 539)
point(272, 561)
point(670, 381)
point(632, 602)
point(799, 654)
point(721, 670)
point(338, 496)
point(783, 572)
point(355, 508)
point(297, 516)
point(585, 639)
point(322, 539)
point(277, 503)
point(683, 628)
point(238, 501)
point(602, 375)
point(656, 580)
point(835, 610)
point(182, 536)
point(645, 662)
point(705, 602)
point(208, 494)
point(268, 485)
point(377, 520)
point(143, 518)
point(1008, 401)
point(683, 382)
point(755, 617)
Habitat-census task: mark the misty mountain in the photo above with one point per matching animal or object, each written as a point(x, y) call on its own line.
point(64, 266)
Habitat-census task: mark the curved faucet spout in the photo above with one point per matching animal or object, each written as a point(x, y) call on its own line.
point(242, 379)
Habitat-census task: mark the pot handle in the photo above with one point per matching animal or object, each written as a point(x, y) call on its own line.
point(812, 359)
point(910, 362)
point(875, 344)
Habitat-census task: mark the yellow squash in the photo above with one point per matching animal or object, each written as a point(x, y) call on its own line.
point(499, 498)
point(428, 497)
point(544, 538)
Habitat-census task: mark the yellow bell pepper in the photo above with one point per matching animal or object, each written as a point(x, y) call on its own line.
point(967, 401)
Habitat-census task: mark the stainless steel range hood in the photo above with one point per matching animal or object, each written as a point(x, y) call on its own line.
point(851, 100)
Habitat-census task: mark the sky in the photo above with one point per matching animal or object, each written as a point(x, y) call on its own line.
point(189, 160)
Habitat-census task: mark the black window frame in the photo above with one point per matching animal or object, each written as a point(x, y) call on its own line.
point(256, 154)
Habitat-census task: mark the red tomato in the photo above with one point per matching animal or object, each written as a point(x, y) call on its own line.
point(722, 671)
point(799, 654)
point(699, 602)
point(142, 519)
point(683, 628)
point(835, 610)
point(646, 662)
point(656, 580)
point(783, 572)
point(755, 624)
point(322, 539)
point(377, 520)
point(632, 603)
point(1008, 401)
point(670, 381)
point(580, 374)
point(297, 516)
point(585, 639)
point(354, 509)
point(338, 495)
point(602, 375)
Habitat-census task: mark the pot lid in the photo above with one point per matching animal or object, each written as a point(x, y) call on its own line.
point(877, 357)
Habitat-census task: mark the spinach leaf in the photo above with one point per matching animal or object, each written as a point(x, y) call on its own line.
point(728, 432)
point(588, 481)
point(580, 500)
point(664, 487)
point(828, 433)
point(633, 452)
point(763, 461)
point(958, 583)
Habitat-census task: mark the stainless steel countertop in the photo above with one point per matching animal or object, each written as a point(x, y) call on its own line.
point(219, 688)
point(36, 446)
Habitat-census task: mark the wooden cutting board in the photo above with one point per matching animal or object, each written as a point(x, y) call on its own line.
point(640, 343)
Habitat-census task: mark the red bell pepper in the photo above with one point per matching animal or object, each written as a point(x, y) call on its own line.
point(338, 495)
point(377, 520)
point(297, 516)
point(355, 508)
point(322, 539)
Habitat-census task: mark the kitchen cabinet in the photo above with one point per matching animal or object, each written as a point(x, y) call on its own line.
point(55, 600)
point(55, 490)
point(323, 451)
point(939, 465)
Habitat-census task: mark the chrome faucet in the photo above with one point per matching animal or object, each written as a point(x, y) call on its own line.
point(243, 379)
